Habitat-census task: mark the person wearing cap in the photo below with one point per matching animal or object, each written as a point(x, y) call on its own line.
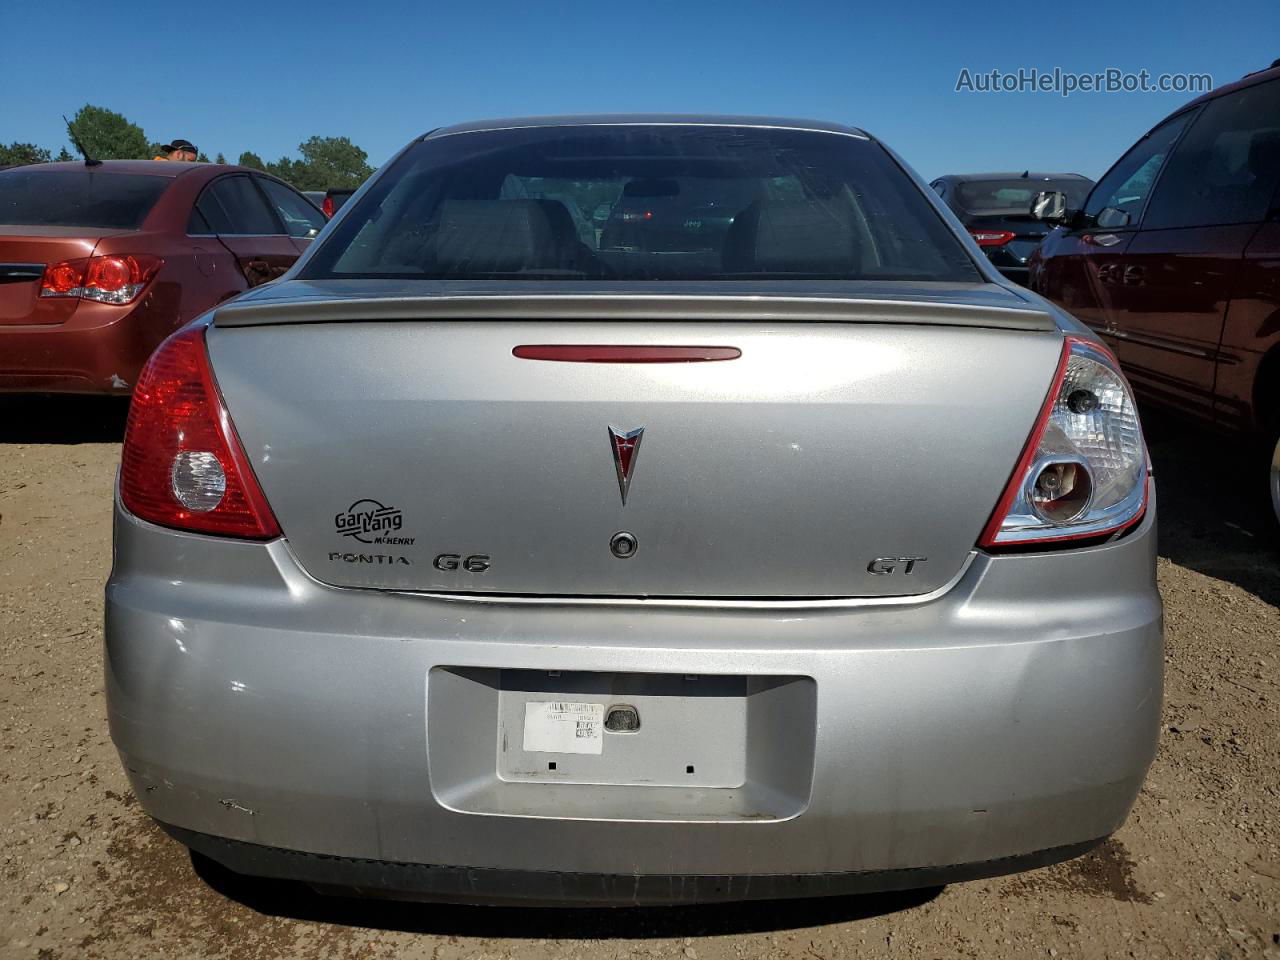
point(182, 150)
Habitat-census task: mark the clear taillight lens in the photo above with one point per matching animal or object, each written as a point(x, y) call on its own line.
point(1084, 471)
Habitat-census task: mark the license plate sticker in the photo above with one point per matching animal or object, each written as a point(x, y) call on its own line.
point(561, 726)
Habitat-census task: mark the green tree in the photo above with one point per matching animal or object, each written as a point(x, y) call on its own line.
point(16, 153)
point(202, 157)
point(107, 135)
point(330, 162)
point(64, 155)
point(219, 158)
point(290, 171)
point(249, 159)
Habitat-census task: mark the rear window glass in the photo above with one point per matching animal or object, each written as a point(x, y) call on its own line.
point(77, 198)
point(1015, 196)
point(644, 202)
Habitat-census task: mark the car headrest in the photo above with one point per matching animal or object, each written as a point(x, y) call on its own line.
point(791, 238)
point(502, 236)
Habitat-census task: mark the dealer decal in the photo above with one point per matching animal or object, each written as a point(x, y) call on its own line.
point(368, 521)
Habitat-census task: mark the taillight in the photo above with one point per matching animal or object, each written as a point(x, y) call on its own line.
point(1083, 473)
point(327, 207)
point(63, 279)
point(111, 279)
point(183, 465)
point(992, 238)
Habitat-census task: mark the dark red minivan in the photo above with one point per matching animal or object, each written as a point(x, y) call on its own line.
point(1175, 260)
point(100, 263)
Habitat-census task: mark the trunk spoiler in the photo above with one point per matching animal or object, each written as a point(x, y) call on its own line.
point(628, 306)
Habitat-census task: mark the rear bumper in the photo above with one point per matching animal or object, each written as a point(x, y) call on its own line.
point(1010, 266)
point(1014, 717)
point(446, 884)
point(100, 349)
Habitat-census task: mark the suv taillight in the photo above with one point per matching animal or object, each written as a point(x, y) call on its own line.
point(327, 207)
point(112, 279)
point(992, 238)
point(1083, 473)
point(183, 465)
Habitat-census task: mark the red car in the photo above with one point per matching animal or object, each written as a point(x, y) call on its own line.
point(100, 263)
point(1174, 259)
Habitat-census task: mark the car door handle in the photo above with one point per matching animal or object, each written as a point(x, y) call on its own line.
point(1134, 276)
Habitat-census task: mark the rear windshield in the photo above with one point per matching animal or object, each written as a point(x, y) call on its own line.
point(32, 197)
point(1015, 196)
point(643, 202)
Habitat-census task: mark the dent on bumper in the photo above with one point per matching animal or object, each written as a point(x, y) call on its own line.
point(1017, 713)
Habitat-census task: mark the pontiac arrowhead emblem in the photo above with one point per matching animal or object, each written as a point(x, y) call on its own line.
point(626, 447)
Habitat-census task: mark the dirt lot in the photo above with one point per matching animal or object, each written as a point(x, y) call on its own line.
point(1194, 873)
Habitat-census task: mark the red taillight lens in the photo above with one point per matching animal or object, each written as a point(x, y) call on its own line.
point(992, 238)
point(109, 273)
point(327, 207)
point(114, 279)
point(183, 465)
point(63, 279)
point(1083, 473)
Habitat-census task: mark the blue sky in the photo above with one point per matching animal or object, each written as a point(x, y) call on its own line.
point(264, 76)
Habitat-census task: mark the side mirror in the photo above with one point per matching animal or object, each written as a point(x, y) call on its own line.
point(1050, 206)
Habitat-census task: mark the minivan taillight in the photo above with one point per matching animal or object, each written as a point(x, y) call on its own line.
point(110, 279)
point(1083, 473)
point(183, 465)
point(327, 207)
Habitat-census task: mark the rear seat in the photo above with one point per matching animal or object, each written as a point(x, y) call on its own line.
point(791, 238)
point(504, 236)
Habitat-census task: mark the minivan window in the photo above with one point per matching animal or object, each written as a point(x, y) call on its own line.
point(35, 197)
point(643, 202)
point(1119, 197)
point(1227, 166)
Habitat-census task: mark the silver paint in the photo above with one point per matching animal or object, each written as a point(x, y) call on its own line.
point(1015, 712)
point(781, 474)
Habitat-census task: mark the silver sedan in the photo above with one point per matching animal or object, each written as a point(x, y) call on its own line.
point(750, 538)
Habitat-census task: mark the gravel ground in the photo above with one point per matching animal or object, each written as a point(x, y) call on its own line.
point(1194, 873)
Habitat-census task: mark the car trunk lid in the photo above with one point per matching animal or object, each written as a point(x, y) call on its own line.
point(854, 448)
point(25, 251)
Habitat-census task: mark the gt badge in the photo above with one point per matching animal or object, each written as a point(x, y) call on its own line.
point(626, 447)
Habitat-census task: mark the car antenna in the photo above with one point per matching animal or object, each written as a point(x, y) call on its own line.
point(88, 160)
